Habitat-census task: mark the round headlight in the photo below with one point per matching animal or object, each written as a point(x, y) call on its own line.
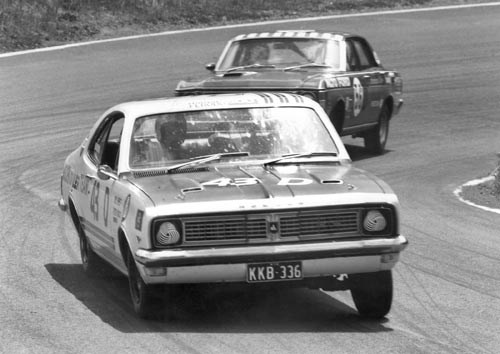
point(167, 234)
point(374, 221)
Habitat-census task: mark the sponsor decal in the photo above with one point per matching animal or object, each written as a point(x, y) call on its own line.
point(138, 219)
point(126, 207)
point(217, 103)
point(117, 200)
point(358, 96)
point(116, 215)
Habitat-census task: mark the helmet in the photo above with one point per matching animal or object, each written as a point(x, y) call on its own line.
point(171, 130)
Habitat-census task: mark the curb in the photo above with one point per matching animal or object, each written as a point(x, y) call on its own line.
point(458, 192)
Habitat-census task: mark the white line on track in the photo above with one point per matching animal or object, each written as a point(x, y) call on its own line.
point(167, 33)
point(475, 182)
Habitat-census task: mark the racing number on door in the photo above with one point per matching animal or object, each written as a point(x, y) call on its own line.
point(94, 203)
point(94, 200)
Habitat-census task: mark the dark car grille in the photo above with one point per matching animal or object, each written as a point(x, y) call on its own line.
point(256, 228)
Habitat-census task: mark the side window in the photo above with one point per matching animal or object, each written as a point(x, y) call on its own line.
point(105, 145)
point(351, 58)
point(364, 54)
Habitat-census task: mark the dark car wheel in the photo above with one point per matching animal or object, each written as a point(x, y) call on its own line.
point(376, 138)
point(92, 264)
point(372, 293)
point(148, 300)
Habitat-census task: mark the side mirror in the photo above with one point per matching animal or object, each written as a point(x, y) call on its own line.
point(105, 172)
point(210, 66)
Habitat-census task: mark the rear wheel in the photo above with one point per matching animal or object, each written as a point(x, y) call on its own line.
point(376, 138)
point(372, 293)
point(148, 300)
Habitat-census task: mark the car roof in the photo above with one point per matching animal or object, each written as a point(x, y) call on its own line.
point(215, 101)
point(337, 35)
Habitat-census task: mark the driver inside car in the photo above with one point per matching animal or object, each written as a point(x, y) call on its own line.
point(171, 133)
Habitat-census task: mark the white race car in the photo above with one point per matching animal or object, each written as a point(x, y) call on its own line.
point(245, 188)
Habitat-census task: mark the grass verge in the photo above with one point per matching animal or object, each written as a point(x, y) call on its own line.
point(28, 24)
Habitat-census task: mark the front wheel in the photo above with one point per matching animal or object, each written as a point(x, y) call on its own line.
point(376, 138)
point(146, 299)
point(372, 293)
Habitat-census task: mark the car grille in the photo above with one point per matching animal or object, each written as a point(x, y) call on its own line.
point(304, 224)
point(239, 228)
point(255, 228)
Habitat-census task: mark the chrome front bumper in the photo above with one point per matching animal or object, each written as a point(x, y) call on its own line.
point(229, 264)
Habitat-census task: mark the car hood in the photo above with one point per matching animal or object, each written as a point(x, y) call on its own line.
point(268, 79)
point(294, 184)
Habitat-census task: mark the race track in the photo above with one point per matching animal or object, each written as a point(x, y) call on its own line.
point(447, 284)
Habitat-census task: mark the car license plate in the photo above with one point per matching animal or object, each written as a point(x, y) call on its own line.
point(263, 272)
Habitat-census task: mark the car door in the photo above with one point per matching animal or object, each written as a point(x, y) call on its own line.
point(371, 76)
point(103, 149)
point(366, 79)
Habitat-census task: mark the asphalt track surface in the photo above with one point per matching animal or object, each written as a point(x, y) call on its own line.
point(447, 284)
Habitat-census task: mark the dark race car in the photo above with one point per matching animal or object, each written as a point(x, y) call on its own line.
point(340, 71)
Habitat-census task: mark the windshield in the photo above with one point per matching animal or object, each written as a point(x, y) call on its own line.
point(281, 52)
point(256, 133)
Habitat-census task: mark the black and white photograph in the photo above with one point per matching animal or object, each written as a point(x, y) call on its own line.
point(250, 176)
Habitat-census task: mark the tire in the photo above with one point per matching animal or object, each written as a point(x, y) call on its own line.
point(147, 300)
point(337, 117)
point(372, 293)
point(92, 264)
point(376, 138)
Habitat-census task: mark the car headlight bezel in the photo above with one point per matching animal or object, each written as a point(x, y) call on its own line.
point(166, 233)
point(378, 221)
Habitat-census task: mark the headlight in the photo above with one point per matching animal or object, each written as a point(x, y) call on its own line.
point(167, 234)
point(374, 221)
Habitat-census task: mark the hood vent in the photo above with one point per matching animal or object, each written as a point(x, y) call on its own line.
point(243, 72)
point(152, 173)
point(332, 181)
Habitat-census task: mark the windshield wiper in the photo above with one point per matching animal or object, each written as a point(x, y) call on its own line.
point(206, 158)
point(284, 158)
point(307, 65)
point(252, 66)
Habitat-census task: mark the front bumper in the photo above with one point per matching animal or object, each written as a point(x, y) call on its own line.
point(398, 106)
point(229, 264)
